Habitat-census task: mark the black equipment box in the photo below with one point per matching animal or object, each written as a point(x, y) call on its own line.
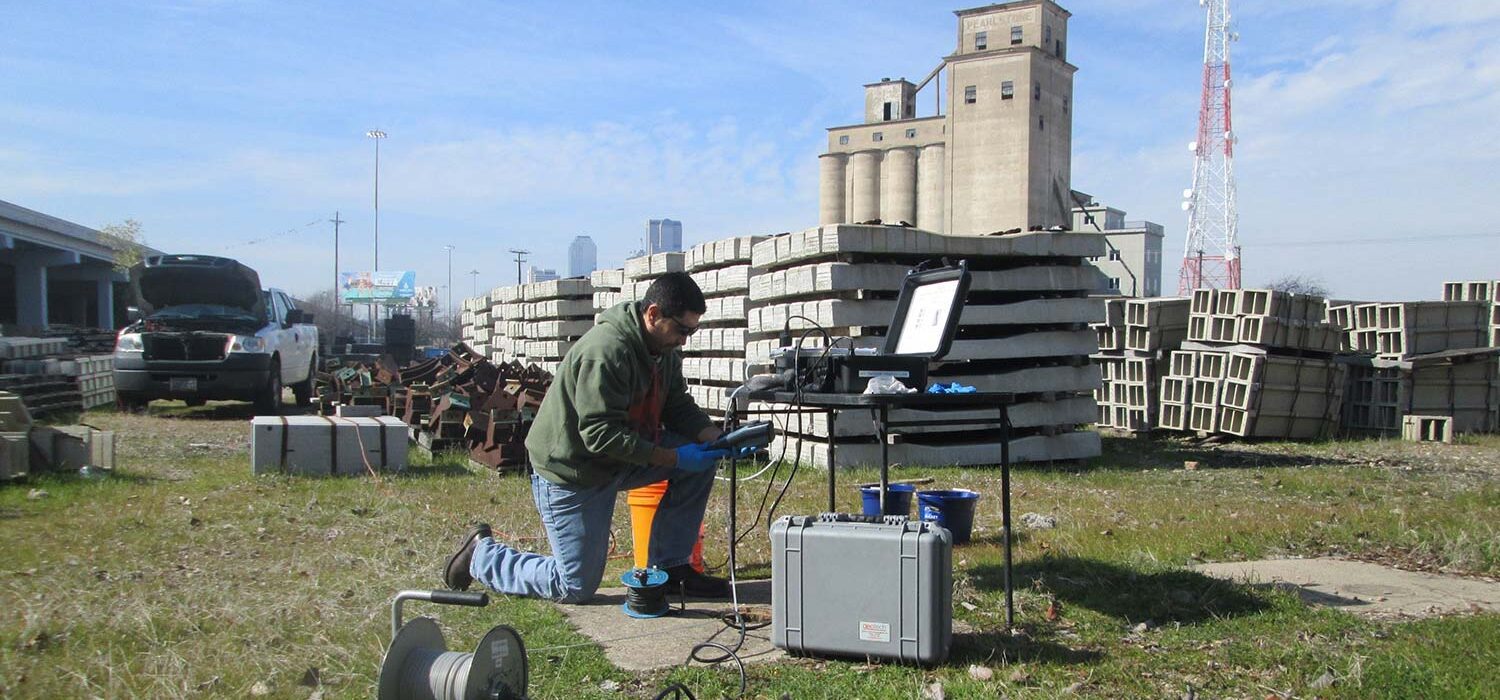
point(858, 586)
point(852, 374)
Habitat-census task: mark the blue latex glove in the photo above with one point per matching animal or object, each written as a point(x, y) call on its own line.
point(696, 457)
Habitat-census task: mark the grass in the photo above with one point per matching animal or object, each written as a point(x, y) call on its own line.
point(180, 575)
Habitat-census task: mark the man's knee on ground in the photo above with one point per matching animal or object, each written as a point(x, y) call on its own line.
point(577, 592)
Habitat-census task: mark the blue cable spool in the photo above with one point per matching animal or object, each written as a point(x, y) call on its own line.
point(646, 593)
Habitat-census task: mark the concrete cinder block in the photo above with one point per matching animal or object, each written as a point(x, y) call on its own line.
point(359, 411)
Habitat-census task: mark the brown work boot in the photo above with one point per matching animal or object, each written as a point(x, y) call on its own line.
point(693, 584)
point(456, 573)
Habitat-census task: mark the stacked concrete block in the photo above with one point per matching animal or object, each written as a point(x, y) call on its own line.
point(607, 286)
point(506, 324)
point(556, 314)
point(1258, 363)
point(1401, 330)
point(1462, 385)
point(1135, 342)
point(1484, 292)
point(640, 271)
point(1246, 391)
point(470, 308)
point(1025, 330)
point(713, 363)
point(1264, 318)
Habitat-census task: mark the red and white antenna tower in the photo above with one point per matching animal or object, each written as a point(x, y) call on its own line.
point(1212, 256)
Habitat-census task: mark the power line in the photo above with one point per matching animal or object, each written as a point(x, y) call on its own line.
point(274, 236)
point(1423, 238)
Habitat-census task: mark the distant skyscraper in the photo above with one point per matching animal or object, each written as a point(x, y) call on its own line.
point(663, 236)
point(541, 274)
point(583, 256)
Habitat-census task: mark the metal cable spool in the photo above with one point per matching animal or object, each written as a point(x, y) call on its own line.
point(418, 665)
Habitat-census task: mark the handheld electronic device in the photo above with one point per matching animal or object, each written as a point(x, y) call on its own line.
point(757, 434)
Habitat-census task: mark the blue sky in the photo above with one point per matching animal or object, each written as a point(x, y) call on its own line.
point(1367, 153)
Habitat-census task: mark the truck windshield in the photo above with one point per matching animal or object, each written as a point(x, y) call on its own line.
point(202, 311)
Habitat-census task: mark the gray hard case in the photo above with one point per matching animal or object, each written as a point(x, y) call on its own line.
point(843, 587)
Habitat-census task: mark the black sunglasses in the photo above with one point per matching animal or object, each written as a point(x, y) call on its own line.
point(683, 328)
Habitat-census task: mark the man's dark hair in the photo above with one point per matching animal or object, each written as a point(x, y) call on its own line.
point(675, 293)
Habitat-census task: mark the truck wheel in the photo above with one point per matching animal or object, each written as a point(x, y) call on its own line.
point(131, 402)
point(268, 403)
point(303, 390)
point(194, 403)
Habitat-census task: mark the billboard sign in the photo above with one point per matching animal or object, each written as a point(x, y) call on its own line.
point(398, 286)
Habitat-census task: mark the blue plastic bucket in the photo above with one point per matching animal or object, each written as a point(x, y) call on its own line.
point(897, 499)
point(952, 509)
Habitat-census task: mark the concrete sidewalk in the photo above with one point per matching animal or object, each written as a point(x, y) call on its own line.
point(1364, 588)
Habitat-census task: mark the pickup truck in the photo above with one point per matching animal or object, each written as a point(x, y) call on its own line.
point(206, 330)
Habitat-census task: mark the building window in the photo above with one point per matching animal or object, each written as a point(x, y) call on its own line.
point(1065, 105)
point(1007, 90)
point(1015, 35)
point(1036, 91)
point(1060, 52)
point(1048, 34)
point(971, 95)
point(887, 111)
point(844, 140)
point(1114, 254)
point(877, 136)
point(1114, 283)
point(1041, 123)
point(981, 41)
point(911, 133)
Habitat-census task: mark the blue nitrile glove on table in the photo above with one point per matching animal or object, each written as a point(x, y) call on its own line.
point(954, 388)
point(695, 457)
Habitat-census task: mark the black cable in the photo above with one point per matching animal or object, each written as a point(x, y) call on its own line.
point(676, 690)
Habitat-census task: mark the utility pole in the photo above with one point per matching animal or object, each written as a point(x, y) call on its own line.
point(520, 258)
point(474, 283)
point(336, 221)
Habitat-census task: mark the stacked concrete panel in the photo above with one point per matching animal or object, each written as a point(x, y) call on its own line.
point(607, 286)
point(1258, 363)
point(712, 366)
point(468, 317)
point(556, 314)
point(1134, 344)
point(1025, 330)
point(507, 324)
point(640, 271)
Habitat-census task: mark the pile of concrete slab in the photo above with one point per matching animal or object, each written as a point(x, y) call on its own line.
point(26, 448)
point(607, 286)
point(712, 366)
point(475, 328)
point(1426, 368)
point(1025, 330)
point(57, 374)
point(1257, 363)
point(507, 325)
point(556, 314)
point(1135, 342)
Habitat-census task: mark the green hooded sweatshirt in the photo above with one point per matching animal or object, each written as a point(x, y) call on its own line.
point(608, 402)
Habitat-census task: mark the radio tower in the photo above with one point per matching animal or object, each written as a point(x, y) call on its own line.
point(1212, 256)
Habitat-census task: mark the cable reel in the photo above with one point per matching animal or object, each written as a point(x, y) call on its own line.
point(646, 593)
point(418, 665)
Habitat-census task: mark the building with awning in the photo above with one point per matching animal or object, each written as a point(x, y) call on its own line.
point(56, 272)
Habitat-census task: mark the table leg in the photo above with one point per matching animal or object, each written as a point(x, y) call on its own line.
point(832, 417)
point(881, 417)
point(1010, 604)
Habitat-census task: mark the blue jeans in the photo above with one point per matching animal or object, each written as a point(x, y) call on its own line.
point(577, 522)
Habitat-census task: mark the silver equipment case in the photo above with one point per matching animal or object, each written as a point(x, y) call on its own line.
point(847, 585)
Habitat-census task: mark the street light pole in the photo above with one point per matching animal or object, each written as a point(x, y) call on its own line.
point(336, 221)
point(449, 248)
point(376, 135)
point(474, 283)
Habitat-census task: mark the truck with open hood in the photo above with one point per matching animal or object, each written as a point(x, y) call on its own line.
point(206, 330)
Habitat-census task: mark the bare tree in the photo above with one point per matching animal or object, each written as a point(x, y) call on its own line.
point(1300, 284)
point(128, 242)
